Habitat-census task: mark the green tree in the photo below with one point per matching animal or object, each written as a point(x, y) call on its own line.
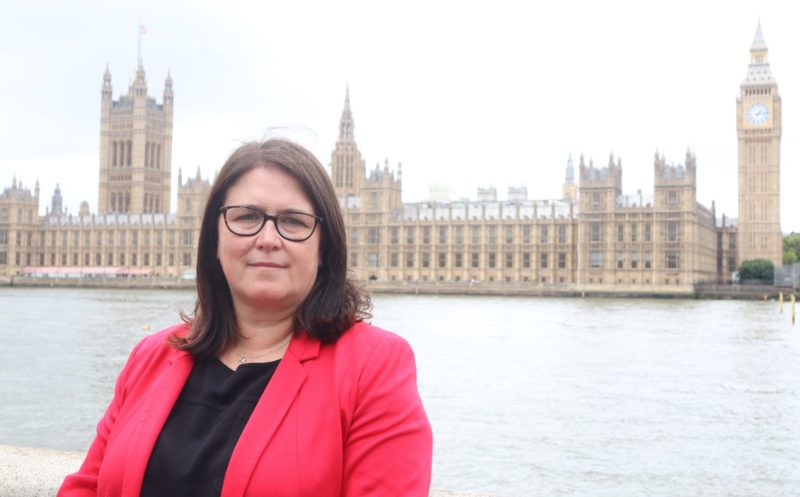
point(757, 269)
point(791, 248)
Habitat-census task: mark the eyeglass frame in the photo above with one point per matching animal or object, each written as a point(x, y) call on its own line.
point(268, 217)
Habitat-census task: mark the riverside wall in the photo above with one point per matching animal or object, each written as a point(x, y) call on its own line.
point(26, 472)
point(702, 291)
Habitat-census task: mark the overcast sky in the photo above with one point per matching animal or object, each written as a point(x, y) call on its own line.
point(464, 94)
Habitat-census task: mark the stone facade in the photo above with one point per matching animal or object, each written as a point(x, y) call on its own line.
point(758, 127)
point(595, 238)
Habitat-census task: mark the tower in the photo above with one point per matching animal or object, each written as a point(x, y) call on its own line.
point(570, 189)
point(758, 127)
point(135, 149)
point(347, 165)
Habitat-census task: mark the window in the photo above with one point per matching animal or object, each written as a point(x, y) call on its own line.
point(648, 233)
point(372, 259)
point(410, 235)
point(544, 235)
point(672, 231)
point(597, 232)
point(354, 236)
point(187, 259)
point(562, 235)
point(393, 235)
point(459, 235)
point(442, 259)
point(476, 235)
point(426, 235)
point(620, 260)
point(731, 241)
point(187, 237)
point(393, 259)
point(373, 236)
point(459, 259)
point(526, 234)
point(353, 259)
point(442, 234)
point(595, 201)
point(648, 260)
point(492, 259)
point(620, 232)
point(672, 200)
point(634, 260)
point(526, 260)
point(426, 259)
point(122, 259)
point(543, 259)
point(596, 259)
point(562, 260)
point(409, 259)
point(634, 232)
point(492, 234)
point(475, 259)
point(509, 234)
point(673, 260)
point(509, 259)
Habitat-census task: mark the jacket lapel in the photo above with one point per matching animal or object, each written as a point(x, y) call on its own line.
point(152, 416)
point(268, 414)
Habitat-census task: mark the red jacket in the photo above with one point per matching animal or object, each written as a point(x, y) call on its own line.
point(342, 419)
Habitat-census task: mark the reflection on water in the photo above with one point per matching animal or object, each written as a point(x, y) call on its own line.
point(527, 396)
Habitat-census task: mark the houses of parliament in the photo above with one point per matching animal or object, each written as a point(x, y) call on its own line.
point(594, 238)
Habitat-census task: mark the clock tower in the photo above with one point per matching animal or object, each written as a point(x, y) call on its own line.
point(758, 127)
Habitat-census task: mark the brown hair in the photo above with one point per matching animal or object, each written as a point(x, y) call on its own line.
point(334, 303)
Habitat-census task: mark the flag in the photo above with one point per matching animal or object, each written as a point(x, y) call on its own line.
point(142, 29)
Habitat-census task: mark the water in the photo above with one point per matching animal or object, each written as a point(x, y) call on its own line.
point(556, 397)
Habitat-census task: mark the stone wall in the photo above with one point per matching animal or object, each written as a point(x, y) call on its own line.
point(28, 472)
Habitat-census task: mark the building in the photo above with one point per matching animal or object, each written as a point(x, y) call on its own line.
point(594, 238)
point(758, 127)
point(133, 233)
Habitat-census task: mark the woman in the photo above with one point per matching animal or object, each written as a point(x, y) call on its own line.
point(274, 386)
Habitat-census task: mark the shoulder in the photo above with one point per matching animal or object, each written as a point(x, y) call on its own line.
point(372, 339)
point(155, 347)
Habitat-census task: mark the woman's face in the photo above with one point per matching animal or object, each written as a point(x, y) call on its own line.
point(266, 272)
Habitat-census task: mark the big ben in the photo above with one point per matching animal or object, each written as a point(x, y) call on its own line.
point(758, 126)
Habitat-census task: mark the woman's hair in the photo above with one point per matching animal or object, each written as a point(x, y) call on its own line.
point(334, 303)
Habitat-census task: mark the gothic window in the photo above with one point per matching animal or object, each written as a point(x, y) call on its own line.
point(492, 234)
point(158, 157)
point(595, 201)
point(373, 236)
point(393, 258)
point(672, 231)
point(648, 260)
point(562, 235)
point(634, 260)
point(113, 153)
point(526, 234)
point(543, 260)
point(113, 202)
point(596, 259)
point(509, 234)
point(648, 232)
point(410, 235)
point(476, 235)
point(509, 259)
point(426, 235)
point(459, 259)
point(620, 260)
point(620, 232)
point(147, 154)
point(442, 234)
point(459, 235)
point(442, 259)
point(634, 232)
point(526, 260)
point(409, 259)
point(672, 260)
point(426, 259)
point(475, 259)
point(372, 259)
point(129, 153)
point(597, 232)
point(672, 200)
point(562, 260)
point(492, 259)
point(393, 235)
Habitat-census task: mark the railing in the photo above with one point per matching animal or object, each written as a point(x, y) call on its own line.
point(28, 472)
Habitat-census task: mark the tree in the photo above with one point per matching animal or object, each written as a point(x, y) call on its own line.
point(757, 269)
point(791, 248)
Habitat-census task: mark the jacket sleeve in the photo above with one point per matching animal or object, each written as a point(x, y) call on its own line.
point(388, 449)
point(83, 483)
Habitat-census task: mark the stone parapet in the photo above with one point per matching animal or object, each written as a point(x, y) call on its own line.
point(27, 472)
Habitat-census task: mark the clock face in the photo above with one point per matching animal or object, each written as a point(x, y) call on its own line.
point(757, 114)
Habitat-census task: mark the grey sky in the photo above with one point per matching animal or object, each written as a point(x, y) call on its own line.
point(465, 93)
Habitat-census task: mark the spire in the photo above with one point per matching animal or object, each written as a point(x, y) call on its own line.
point(570, 177)
point(758, 41)
point(106, 90)
point(346, 122)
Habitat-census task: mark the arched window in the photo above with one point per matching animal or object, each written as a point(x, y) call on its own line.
point(113, 153)
point(129, 152)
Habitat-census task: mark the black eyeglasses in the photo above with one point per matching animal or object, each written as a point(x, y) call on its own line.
point(248, 221)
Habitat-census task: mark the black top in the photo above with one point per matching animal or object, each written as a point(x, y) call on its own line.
point(192, 452)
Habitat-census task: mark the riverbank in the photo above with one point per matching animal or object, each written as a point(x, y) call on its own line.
point(704, 291)
point(27, 472)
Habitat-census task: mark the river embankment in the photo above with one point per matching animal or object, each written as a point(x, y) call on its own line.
point(704, 291)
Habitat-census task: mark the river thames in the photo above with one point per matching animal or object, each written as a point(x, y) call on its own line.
point(527, 396)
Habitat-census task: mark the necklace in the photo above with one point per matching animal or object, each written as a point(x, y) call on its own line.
point(243, 359)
